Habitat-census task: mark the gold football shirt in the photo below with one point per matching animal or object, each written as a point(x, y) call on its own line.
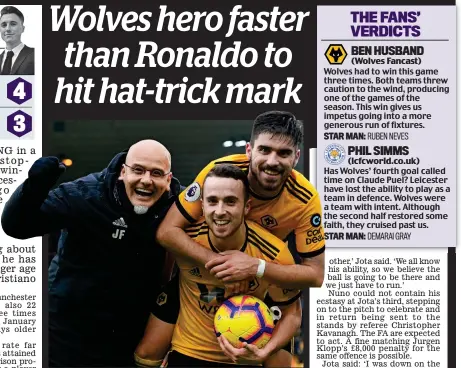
point(296, 209)
point(201, 294)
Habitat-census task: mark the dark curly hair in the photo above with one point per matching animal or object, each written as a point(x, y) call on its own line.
point(280, 123)
point(229, 171)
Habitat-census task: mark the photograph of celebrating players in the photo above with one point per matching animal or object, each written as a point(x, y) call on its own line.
point(283, 202)
point(225, 201)
point(249, 224)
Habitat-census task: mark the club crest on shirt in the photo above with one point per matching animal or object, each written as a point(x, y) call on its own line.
point(193, 192)
point(268, 221)
point(162, 298)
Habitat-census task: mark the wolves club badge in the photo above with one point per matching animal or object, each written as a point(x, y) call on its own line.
point(336, 54)
point(268, 221)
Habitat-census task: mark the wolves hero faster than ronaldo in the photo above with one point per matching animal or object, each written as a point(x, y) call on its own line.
point(296, 209)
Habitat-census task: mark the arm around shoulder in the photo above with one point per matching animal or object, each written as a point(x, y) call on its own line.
point(172, 236)
point(316, 267)
point(299, 276)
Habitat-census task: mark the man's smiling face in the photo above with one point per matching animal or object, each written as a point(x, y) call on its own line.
point(146, 173)
point(11, 29)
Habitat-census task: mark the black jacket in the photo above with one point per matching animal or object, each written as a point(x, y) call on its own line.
point(100, 286)
point(24, 64)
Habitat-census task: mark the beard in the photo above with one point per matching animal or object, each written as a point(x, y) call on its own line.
point(140, 210)
point(266, 185)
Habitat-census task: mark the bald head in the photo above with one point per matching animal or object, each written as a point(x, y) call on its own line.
point(146, 174)
point(148, 148)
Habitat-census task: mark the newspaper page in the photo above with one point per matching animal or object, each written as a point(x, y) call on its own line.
point(21, 278)
point(374, 87)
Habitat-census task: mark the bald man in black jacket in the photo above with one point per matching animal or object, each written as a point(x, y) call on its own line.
point(108, 265)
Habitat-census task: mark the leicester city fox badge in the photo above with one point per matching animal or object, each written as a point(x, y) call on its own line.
point(335, 154)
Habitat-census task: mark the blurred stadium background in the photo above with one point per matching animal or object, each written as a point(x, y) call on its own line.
point(90, 145)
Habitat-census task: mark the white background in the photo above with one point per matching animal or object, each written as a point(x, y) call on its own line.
point(32, 35)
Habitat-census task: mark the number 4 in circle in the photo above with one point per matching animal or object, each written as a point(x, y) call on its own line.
point(19, 91)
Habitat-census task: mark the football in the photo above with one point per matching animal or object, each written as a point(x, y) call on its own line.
point(244, 318)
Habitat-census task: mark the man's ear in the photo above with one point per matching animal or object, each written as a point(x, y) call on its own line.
point(170, 175)
point(248, 149)
point(122, 173)
point(247, 207)
point(297, 156)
